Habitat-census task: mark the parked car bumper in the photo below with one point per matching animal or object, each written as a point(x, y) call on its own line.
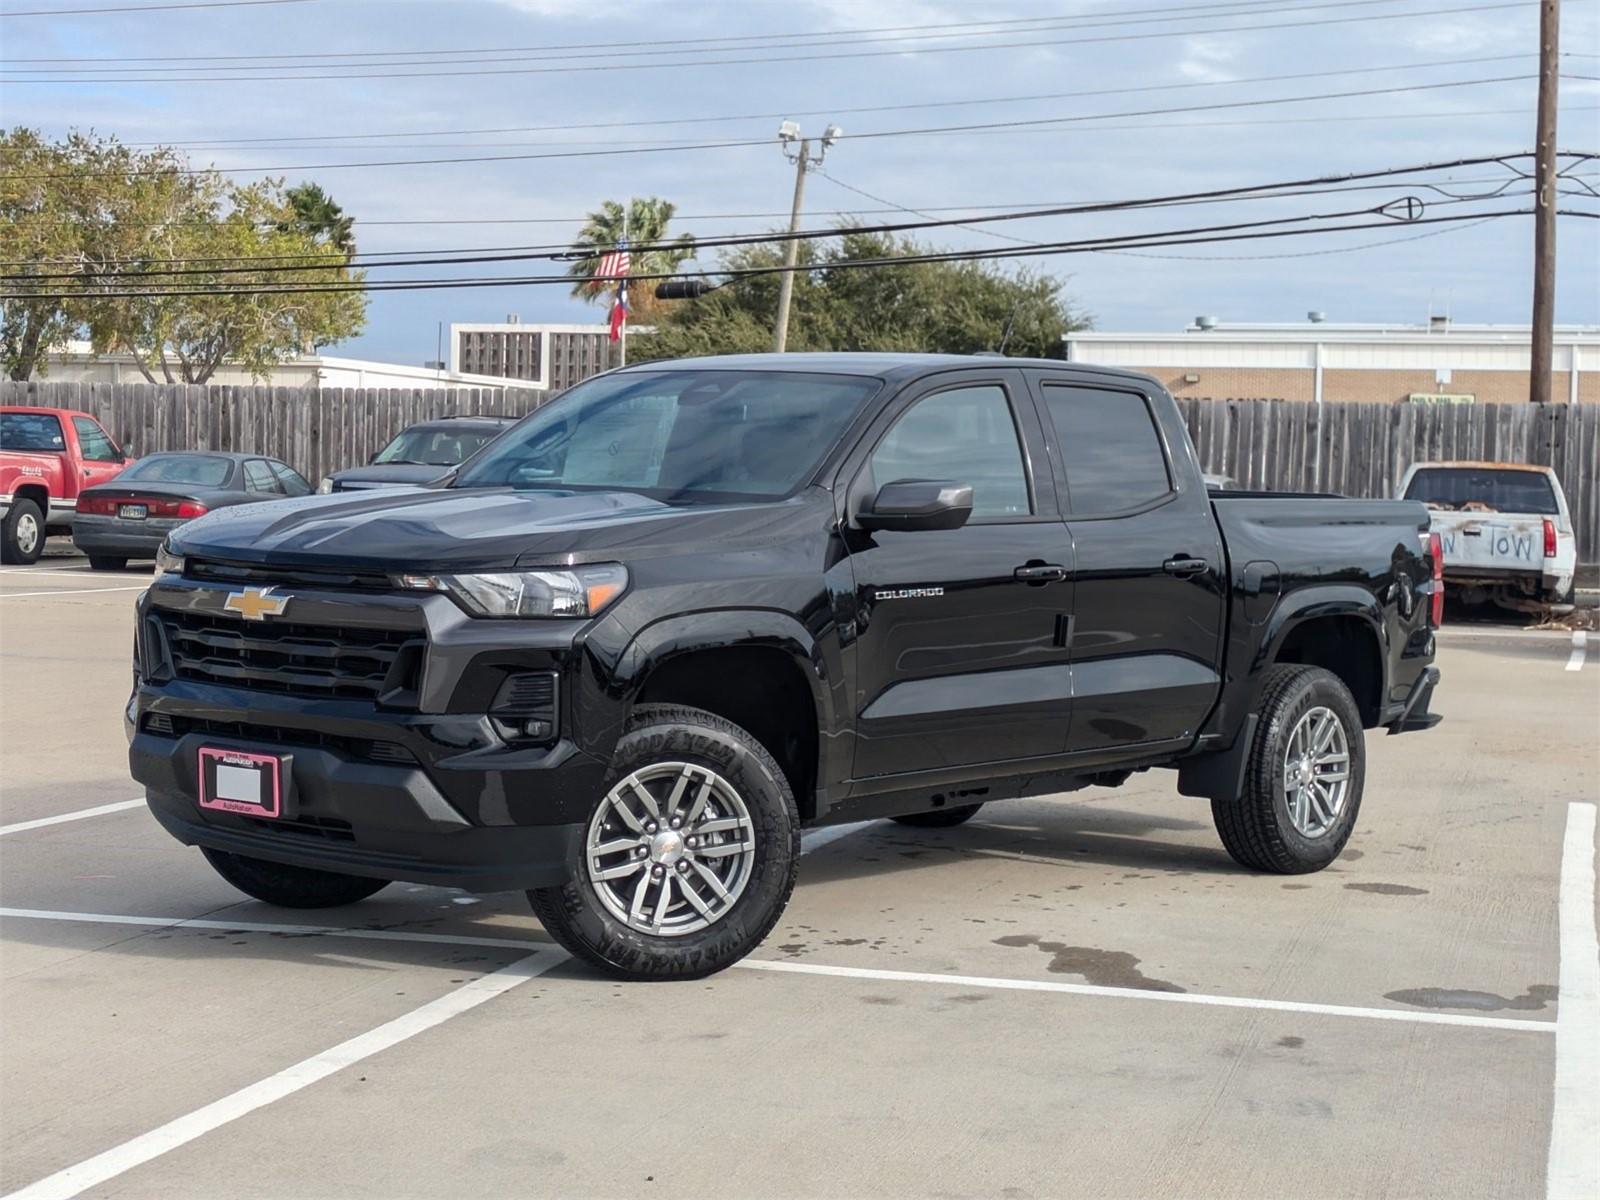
point(114, 537)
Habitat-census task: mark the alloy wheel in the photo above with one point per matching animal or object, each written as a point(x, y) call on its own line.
point(670, 849)
point(1316, 772)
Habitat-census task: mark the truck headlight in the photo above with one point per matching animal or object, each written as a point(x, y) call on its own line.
point(168, 563)
point(567, 592)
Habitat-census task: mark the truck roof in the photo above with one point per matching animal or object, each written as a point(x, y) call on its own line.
point(871, 364)
point(1473, 464)
point(55, 412)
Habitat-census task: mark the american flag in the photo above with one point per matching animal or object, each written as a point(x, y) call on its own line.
point(614, 262)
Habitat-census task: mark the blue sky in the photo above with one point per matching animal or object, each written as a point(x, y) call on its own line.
point(1478, 273)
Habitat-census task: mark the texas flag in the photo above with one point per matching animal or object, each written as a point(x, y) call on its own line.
point(615, 264)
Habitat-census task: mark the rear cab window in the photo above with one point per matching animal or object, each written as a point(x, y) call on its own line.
point(1110, 447)
point(31, 432)
point(1484, 489)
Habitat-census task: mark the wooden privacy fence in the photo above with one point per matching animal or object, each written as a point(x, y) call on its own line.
point(1353, 448)
point(1360, 449)
point(314, 430)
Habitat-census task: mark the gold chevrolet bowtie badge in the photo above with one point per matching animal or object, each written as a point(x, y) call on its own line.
point(256, 604)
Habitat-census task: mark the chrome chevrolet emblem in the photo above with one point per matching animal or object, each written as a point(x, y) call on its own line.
point(256, 604)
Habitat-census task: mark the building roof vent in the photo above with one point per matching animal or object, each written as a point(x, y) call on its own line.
point(513, 319)
point(1438, 324)
point(1205, 321)
point(1316, 316)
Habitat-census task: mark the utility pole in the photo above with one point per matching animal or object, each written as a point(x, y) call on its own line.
point(1544, 205)
point(788, 135)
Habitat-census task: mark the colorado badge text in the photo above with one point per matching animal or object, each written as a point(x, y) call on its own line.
point(908, 593)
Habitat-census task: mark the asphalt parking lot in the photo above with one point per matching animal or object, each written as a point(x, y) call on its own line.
point(1076, 996)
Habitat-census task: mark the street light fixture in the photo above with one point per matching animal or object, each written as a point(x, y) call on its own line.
point(788, 135)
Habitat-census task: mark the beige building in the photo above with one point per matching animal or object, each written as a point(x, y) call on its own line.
point(1440, 362)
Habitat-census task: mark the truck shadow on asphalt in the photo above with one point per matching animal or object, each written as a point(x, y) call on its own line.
point(1070, 836)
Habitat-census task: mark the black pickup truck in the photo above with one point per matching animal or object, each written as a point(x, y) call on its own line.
point(631, 648)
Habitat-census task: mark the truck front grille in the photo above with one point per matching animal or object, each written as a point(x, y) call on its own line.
point(349, 662)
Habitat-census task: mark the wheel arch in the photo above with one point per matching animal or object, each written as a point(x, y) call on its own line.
point(760, 669)
point(1338, 629)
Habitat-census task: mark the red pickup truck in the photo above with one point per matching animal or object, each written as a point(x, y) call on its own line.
point(47, 456)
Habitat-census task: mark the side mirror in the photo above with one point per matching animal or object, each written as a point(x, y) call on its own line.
point(911, 504)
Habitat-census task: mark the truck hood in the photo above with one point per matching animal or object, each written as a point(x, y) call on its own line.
point(458, 529)
point(388, 475)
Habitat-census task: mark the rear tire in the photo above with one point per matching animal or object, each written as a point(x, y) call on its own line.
point(102, 562)
point(939, 818)
point(288, 886)
point(1300, 801)
point(22, 533)
point(738, 826)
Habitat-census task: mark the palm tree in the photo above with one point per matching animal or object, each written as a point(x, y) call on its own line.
point(647, 225)
point(315, 213)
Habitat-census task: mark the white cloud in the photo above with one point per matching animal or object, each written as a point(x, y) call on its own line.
point(1204, 58)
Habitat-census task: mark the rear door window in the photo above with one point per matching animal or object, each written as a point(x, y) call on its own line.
point(31, 431)
point(1110, 449)
point(258, 477)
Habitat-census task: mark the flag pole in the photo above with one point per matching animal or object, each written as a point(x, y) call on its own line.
point(622, 342)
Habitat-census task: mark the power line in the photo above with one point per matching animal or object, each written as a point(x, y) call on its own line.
point(1095, 245)
point(307, 140)
point(1014, 22)
point(1030, 44)
point(1414, 237)
point(974, 127)
point(1316, 185)
point(1250, 8)
point(140, 8)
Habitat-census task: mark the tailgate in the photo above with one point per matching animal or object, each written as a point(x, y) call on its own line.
point(1490, 541)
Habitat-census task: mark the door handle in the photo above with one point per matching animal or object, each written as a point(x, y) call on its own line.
point(1041, 573)
point(1183, 565)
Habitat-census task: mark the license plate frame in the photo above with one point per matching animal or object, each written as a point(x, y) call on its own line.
point(133, 512)
point(243, 782)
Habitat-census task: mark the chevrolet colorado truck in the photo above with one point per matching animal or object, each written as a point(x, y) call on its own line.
point(628, 650)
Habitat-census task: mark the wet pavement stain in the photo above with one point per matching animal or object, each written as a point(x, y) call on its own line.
point(1104, 968)
point(1352, 855)
point(1535, 998)
point(879, 1000)
point(1296, 887)
point(1291, 1043)
point(1386, 889)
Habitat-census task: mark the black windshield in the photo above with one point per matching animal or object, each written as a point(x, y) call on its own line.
point(678, 436)
point(1489, 488)
point(435, 446)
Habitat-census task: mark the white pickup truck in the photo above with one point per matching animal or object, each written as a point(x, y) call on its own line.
point(1506, 531)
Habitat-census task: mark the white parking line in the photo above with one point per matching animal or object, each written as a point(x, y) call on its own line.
point(81, 814)
point(1573, 1169)
point(182, 1130)
point(1580, 646)
point(70, 592)
point(999, 983)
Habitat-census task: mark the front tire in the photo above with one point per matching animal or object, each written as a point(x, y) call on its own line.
point(1303, 777)
point(22, 534)
point(939, 818)
point(648, 898)
point(288, 886)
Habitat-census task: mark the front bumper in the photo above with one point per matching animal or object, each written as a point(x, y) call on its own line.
point(420, 784)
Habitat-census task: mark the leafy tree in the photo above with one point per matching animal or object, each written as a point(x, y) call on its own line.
point(316, 214)
point(647, 224)
point(945, 307)
point(116, 217)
